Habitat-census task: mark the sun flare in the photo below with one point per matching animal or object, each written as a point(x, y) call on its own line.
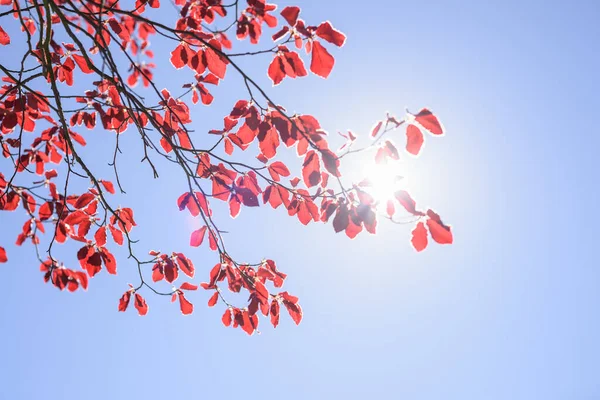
point(383, 181)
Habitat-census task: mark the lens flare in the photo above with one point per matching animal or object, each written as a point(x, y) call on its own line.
point(383, 181)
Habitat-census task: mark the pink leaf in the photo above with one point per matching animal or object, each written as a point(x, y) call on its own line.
point(329, 33)
point(197, 237)
point(414, 139)
point(321, 62)
point(429, 122)
point(419, 237)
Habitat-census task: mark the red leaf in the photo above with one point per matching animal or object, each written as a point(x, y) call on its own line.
point(179, 57)
point(124, 300)
point(187, 200)
point(108, 186)
point(140, 304)
point(239, 109)
point(295, 62)
point(366, 214)
point(429, 122)
point(188, 286)
point(280, 33)
point(234, 206)
point(84, 200)
point(82, 278)
point(186, 307)
point(311, 169)
point(3, 257)
point(246, 323)
point(93, 264)
point(83, 253)
point(10, 202)
point(329, 33)
point(322, 62)
point(109, 261)
point(4, 38)
point(288, 297)
point(407, 202)
point(275, 313)
point(171, 271)
point(294, 310)
point(353, 229)
point(268, 140)
point(212, 241)
point(197, 237)
point(414, 139)
point(228, 146)
point(213, 299)
point(157, 272)
point(249, 199)
point(117, 235)
point(45, 211)
point(126, 214)
point(198, 63)
point(341, 219)
point(261, 292)
point(186, 265)
point(376, 129)
point(82, 64)
point(419, 237)
point(390, 209)
point(100, 236)
point(276, 71)
point(226, 318)
point(331, 162)
point(29, 202)
point(275, 195)
point(440, 232)
point(215, 63)
point(203, 203)
point(278, 169)
point(290, 14)
point(84, 227)
point(391, 150)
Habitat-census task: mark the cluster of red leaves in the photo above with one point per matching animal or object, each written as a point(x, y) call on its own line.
point(245, 125)
point(288, 62)
point(88, 218)
point(168, 268)
point(250, 22)
point(254, 281)
point(73, 217)
point(414, 136)
point(424, 119)
point(139, 302)
point(63, 277)
point(440, 232)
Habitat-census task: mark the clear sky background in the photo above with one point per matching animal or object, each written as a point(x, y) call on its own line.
point(510, 311)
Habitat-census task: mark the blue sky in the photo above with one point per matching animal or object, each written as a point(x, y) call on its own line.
point(509, 311)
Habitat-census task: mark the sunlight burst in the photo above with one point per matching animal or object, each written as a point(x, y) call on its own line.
point(384, 180)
